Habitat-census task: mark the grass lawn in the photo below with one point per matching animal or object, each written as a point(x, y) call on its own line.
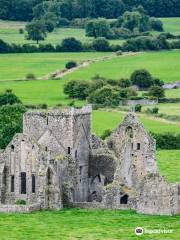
point(16, 66)
point(167, 108)
point(73, 224)
point(169, 164)
point(171, 25)
point(103, 120)
point(174, 93)
point(164, 65)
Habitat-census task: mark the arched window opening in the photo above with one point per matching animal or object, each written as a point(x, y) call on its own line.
point(23, 183)
point(124, 199)
point(12, 148)
point(129, 132)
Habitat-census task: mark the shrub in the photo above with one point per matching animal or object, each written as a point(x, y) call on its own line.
point(46, 48)
point(156, 24)
point(8, 98)
point(106, 96)
point(101, 45)
point(124, 83)
point(30, 76)
point(20, 202)
point(142, 78)
point(167, 140)
point(71, 45)
point(157, 92)
point(4, 47)
point(127, 92)
point(71, 64)
point(138, 108)
point(106, 134)
point(154, 110)
point(21, 31)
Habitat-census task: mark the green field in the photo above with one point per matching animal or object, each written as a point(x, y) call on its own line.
point(174, 93)
point(168, 108)
point(164, 65)
point(169, 164)
point(171, 25)
point(9, 32)
point(103, 120)
point(16, 66)
point(73, 224)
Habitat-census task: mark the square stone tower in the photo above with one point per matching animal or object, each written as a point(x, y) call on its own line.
point(64, 132)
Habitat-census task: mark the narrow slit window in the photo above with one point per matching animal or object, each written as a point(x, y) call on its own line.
point(46, 149)
point(33, 183)
point(23, 183)
point(69, 150)
point(12, 148)
point(138, 146)
point(12, 183)
point(76, 154)
point(47, 121)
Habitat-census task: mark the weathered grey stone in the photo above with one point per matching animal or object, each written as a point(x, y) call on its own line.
point(57, 161)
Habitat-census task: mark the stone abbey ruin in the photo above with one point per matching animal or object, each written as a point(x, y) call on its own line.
point(57, 161)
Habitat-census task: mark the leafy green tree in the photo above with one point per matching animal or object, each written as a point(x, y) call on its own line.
point(98, 28)
point(36, 30)
point(157, 92)
point(142, 78)
point(156, 24)
point(107, 96)
point(124, 83)
point(11, 118)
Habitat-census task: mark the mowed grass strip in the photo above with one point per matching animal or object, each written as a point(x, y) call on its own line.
point(164, 65)
point(169, 164)
point(103, 120)
point(73, 224)
point(17, 66)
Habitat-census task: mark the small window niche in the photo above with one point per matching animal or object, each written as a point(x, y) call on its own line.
point(76, 154)
point(69, 150)
point(138, 146)
point(47, 121)
point(129, 132)
point(124, 199)
point(12, 148)
point(46, 149)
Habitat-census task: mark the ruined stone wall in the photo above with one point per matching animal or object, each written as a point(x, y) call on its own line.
point(135, 151)
point(156, 196)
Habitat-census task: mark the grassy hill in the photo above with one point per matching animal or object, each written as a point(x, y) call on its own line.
point(17, 66)
point(171, 25)
point(164, 65)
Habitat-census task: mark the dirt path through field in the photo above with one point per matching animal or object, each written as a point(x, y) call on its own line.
point(61, 73)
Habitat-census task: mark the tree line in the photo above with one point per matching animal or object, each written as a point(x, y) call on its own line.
point(26, 10)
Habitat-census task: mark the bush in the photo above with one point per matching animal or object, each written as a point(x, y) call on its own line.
point(20, 202)
point(138, 108)
point(124, 83)
point(4, 47)
point(21, 31)
point(101, 45)
point(106, 96)
point(71, 64)
point(154, 110)
point(167, 140)
point(157, 92)
point(142, 78)
point(30, 76)
point(46, 48)
point(8, 98)
point(71, 45)
point(156, 24)
point(106, 134)
point(127, 93)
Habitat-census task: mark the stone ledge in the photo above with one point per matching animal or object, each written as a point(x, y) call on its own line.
point(19, 208)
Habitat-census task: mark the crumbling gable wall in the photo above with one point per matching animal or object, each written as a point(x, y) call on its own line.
point(135, 151)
